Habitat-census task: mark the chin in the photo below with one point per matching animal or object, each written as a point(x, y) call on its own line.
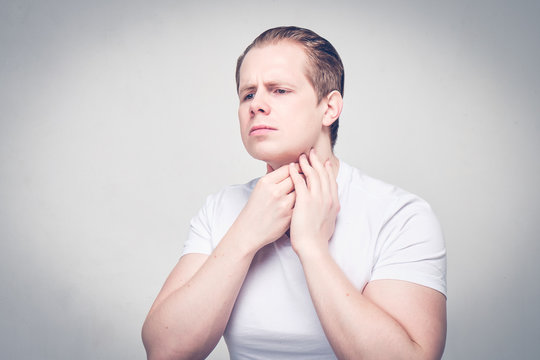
point(274, 158)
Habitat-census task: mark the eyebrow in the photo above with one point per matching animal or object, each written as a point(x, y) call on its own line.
point(269, 84)
point(246, 88)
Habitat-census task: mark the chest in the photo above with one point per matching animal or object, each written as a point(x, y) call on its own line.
point(274, 308)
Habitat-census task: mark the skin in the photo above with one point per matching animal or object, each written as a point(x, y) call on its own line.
point(275, 92)
point(282, 123)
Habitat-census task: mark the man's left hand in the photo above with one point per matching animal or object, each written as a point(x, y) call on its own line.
point(316, 207)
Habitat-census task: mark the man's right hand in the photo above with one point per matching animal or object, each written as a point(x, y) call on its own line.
point(267, 214)
point(185, 321)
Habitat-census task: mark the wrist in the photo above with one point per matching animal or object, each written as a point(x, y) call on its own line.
point(311, 251)
point(242, 244)
point(245, 241)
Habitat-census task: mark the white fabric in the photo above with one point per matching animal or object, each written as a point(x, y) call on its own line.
point(382, 232)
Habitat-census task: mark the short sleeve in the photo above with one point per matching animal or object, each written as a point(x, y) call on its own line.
point(411, 247)
point(199, 239)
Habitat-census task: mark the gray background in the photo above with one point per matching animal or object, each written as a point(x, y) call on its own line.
point(119, 117)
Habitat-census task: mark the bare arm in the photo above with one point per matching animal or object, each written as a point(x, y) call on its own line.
point(191, 312)
point(391, 319)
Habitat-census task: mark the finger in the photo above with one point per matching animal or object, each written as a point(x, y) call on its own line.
point(285, 186)
point(312, 179)
point(299, 183)
point(321, 171)
point(299, 169)
point(290, 200)
point(278, 175)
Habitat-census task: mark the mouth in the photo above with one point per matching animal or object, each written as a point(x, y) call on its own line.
point(260, 130)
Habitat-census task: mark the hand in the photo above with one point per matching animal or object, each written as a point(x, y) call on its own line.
point(317, 204)
point(267, 214)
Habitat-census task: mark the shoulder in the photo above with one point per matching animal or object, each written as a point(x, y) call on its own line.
point(392, 213)
point(232, 192)
point(358, 180)
point(379, 196)
point(231, 196)
point(408, 243)
point(216, 215)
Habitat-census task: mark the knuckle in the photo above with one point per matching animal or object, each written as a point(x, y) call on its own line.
point(264, 180)
point(328, 206)
point(283, 206)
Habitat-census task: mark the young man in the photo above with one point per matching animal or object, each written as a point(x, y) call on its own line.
point(314, 260)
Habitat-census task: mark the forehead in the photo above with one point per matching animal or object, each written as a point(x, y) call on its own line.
point(285, 60)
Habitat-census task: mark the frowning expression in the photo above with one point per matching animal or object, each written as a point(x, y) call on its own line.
point(280, 117)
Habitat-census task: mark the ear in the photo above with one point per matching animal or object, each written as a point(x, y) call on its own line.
point(334, 105)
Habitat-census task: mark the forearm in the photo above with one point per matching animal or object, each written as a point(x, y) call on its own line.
point(355, 327)
point(189, 322)
point(193, 308)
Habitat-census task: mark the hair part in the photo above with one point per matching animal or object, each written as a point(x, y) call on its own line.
point(325, 71)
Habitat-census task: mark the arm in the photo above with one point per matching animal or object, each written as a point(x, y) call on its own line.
point(390, 319)
point(190, 313)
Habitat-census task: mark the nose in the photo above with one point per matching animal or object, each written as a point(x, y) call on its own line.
point(259, 105)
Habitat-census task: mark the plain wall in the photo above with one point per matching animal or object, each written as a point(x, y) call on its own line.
point(119, 117)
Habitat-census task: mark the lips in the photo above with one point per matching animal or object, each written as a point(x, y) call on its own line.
point(261, 130)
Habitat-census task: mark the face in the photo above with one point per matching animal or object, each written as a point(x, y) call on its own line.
point(280, 117)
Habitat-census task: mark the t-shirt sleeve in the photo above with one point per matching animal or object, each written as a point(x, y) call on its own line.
point(411, 247)
point(199, 239)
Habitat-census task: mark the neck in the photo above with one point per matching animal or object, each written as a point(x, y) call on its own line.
point(324, 153)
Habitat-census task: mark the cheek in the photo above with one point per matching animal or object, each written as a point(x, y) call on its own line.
point(240, 111)
point(242, 118)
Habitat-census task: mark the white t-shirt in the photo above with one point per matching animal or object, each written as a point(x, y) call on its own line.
point(382, 232)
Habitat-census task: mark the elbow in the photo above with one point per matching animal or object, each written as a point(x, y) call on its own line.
point(156, 351)
point(168, 353)
point(154, 345)
point(160, 345)
point(155, 354)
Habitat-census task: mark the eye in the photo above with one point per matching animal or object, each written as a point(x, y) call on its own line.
point(281, 91)
point(248, 96)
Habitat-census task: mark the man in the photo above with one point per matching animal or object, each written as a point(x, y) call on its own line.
point(314, 260)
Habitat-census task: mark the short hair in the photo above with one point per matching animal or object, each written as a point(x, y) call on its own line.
point(326, 72)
